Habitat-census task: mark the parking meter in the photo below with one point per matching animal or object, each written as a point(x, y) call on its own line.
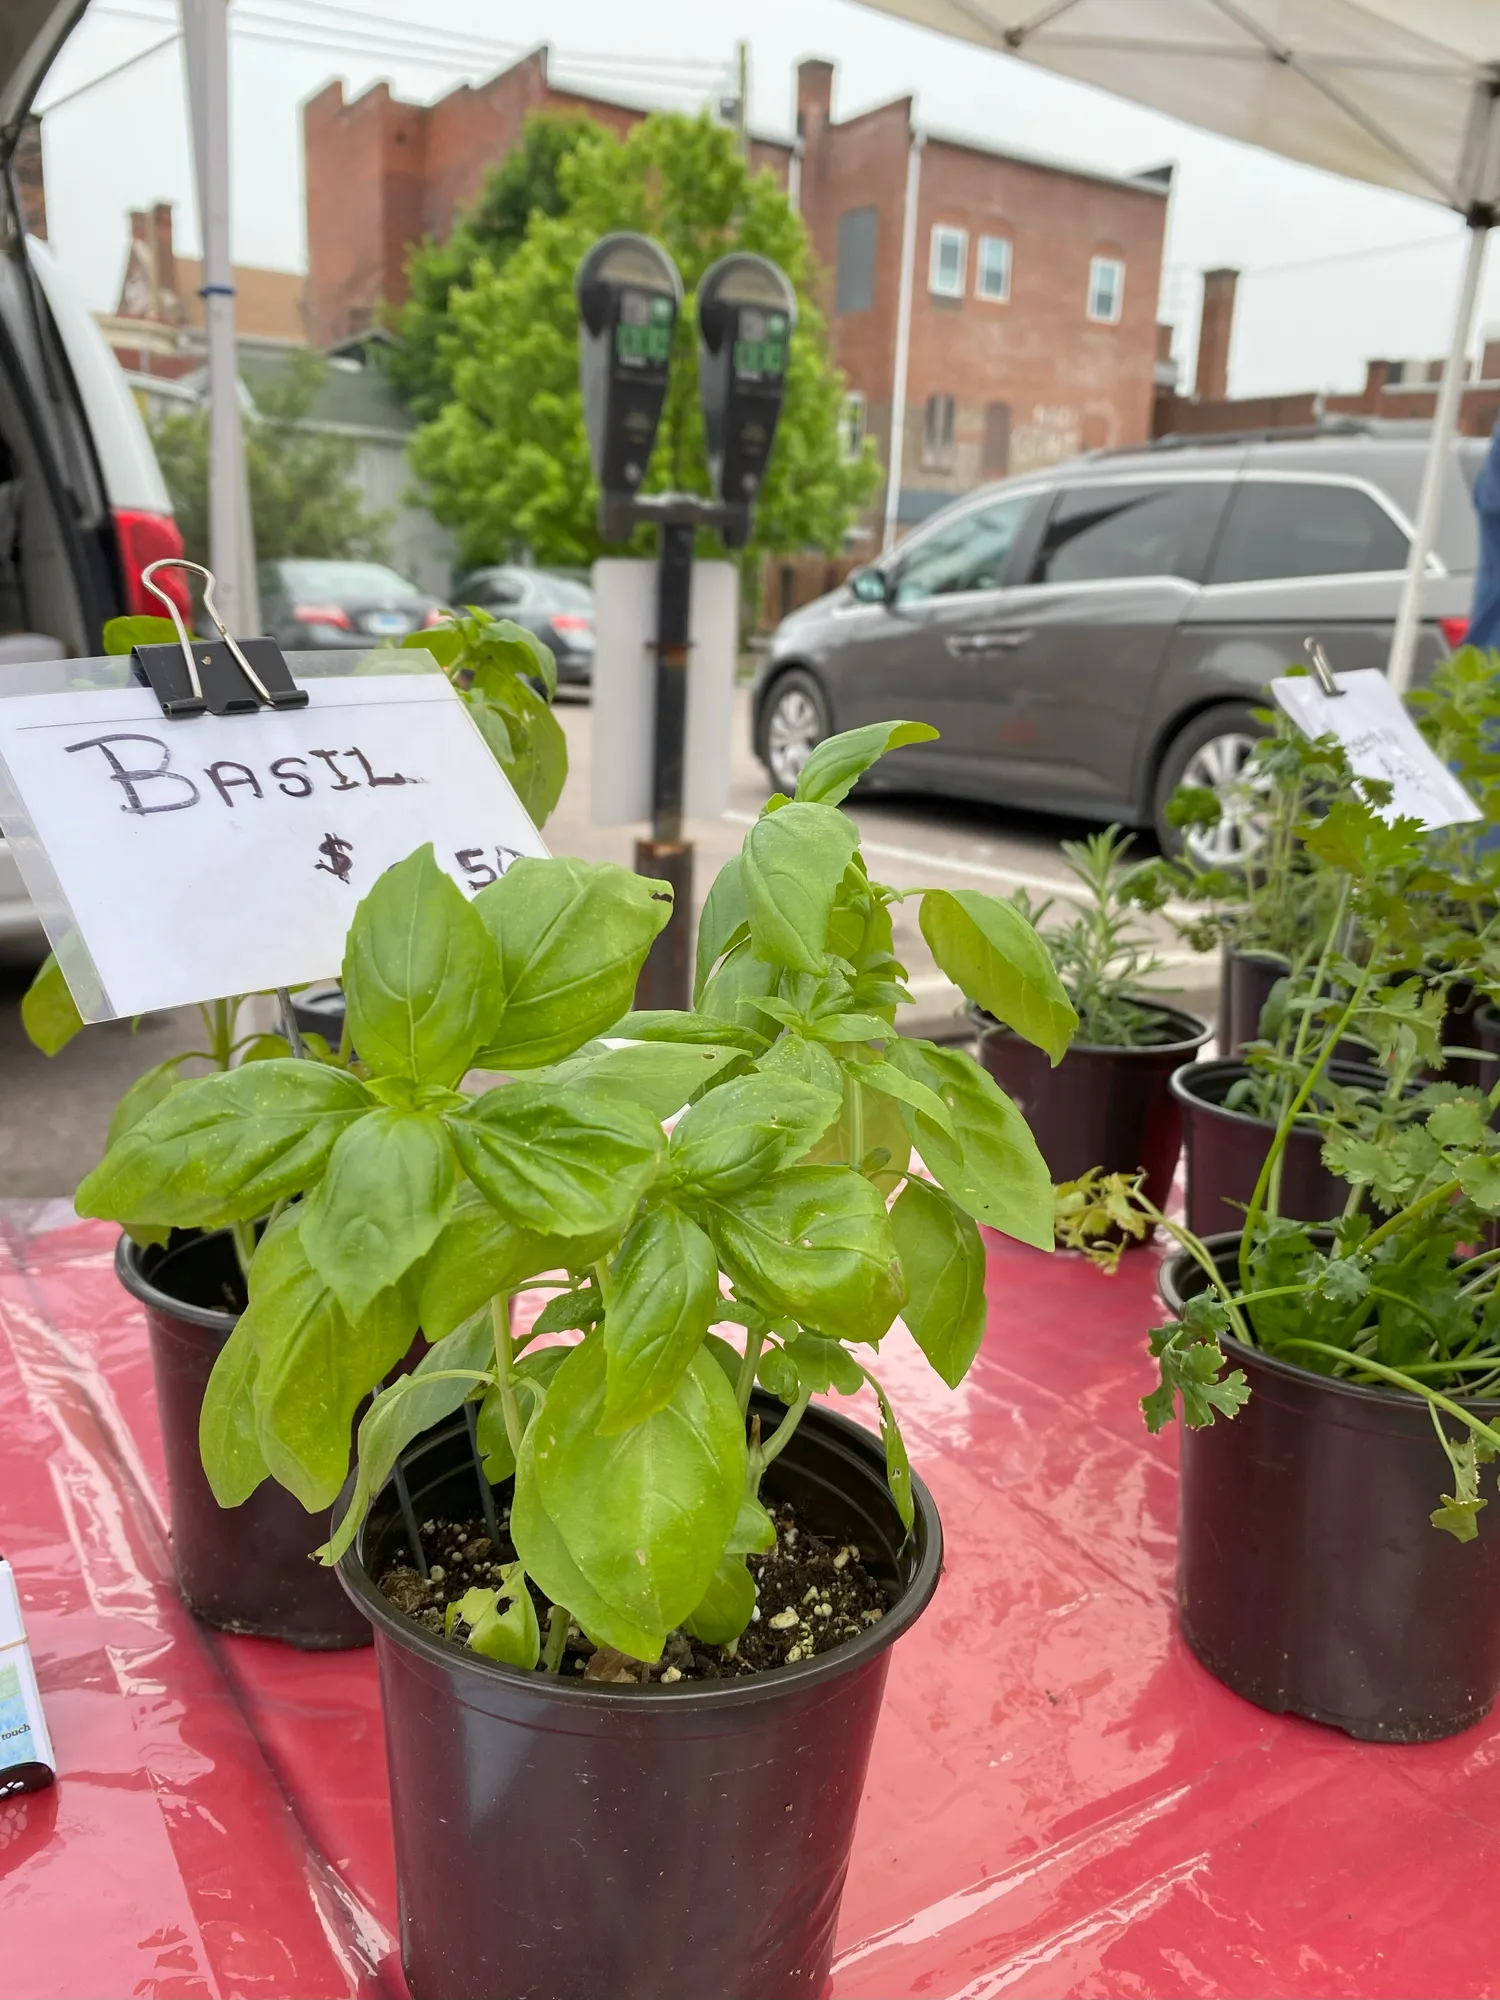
point(629, 295)
point(747, 311)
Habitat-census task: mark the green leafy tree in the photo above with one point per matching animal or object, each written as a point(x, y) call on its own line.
point(304, 499)
point(525, 184)
point(506, 461)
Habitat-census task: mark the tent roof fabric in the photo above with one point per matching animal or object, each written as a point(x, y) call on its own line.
point(1378, 90)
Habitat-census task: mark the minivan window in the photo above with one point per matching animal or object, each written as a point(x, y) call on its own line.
point(967, 554)
point(1288, 527)
point(1100, 533)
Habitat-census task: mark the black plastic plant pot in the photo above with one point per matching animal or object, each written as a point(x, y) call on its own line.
point(1486, 1029)
point(1310, 1579)
point(1245, 982)
point(1100, 1107)
point(1225, 1150)
point(319, 1010)
point(247, 1568)
point(558, 1839)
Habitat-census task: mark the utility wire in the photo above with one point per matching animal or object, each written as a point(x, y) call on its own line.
point(106, 76)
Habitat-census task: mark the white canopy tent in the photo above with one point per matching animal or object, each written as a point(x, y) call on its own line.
point(1401, 93)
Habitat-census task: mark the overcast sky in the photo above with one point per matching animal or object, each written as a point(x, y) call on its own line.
point(1333, 272)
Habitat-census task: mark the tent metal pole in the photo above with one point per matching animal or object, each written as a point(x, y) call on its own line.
point(1435, 471)
point(231, 541)
point(903, 342)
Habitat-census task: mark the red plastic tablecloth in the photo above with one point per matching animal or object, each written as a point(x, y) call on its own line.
point(1061, 1800)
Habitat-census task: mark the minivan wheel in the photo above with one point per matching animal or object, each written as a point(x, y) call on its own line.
point(795, 723)
point(1212, 753)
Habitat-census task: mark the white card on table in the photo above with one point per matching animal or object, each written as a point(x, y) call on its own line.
point(176, 861)
point(1381, 741)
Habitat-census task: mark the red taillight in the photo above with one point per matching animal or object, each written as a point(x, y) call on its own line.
point(323, 614)
point(1454, 631)
point(571, 621)
point(145, 539)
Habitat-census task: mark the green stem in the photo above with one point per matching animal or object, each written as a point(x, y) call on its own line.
point(222, 1035)
point(1407, 1382)
point(558, 1621)
point(781, 1437)
point(504, 1380)
point(856, 1092)
point(244, 1245)
point(754, 1342)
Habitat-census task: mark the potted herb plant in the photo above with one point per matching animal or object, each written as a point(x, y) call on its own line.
point(1107, 1103)
point(1331, 1561)
point(248, 1571)
point(633, 1590)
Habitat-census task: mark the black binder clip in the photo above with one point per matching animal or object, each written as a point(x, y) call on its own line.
point(222, 676)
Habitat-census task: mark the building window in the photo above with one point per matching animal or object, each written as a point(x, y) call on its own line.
point(997, 439)
point(1106, 288)
point(937, 432)
point(852, 425)
point(949, 263)
point(854, 285)
point(992, 275)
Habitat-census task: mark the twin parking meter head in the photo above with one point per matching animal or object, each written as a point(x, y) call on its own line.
point(747, 311)
point(629, 295)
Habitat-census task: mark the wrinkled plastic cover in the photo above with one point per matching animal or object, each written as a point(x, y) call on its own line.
point(1061, 1801)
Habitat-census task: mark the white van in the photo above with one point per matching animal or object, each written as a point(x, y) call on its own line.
point(83, 506)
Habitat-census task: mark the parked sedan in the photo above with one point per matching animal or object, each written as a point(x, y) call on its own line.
point(558, 607)
point(1088, 638)
point(310, 603)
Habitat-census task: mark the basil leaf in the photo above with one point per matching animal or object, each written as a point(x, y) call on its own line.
point(659, 1077)
point(479, 1254)
point(793, 1055)
point(404, 1411)
point(897, 1464)
point(992, 954)
point(644, 1514)
point(893, 1082)
point(943, 1258)
point(668, 1025)
point(421, 980)
point(746, 1129)
point(531, 1377)
point(823, 1364)
point(223, 1148)
point(232, 1458)
point(839, 762)
point(547, 1561)
point(724, 1609)
point(733, 989)
point(991, 1165)
point(882, 1133)
point(380, 1205)
point(663, 1295)
point(754, 1532)
point(572, 937)
point(725, 912)
point(565, 1162)
point(793, 862)
point(49, 1013)
point(148, 1090)
point(315, 1365)
point(511, 1636)
point(814, 1243)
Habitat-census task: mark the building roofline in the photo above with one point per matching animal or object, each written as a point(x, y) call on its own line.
point(1151, 183)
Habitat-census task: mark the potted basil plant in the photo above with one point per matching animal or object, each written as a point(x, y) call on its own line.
point(1332, 1560)
point(248, 1571)
point(633, 1589)
point(1108, 1102)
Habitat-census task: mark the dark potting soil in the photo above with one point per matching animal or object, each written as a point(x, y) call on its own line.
point(812, 1595)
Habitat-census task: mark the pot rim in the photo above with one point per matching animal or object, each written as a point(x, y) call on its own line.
point(1199, 1032)
point(128, 1256)
point(1178, 1084)
point(1259, 955)
point(1227, 1240)
point(684, 1695)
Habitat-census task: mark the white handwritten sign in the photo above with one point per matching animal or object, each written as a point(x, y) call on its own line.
point(1381, 741)
point(186, 860)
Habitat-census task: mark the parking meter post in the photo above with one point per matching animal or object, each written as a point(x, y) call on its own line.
point(666, 979)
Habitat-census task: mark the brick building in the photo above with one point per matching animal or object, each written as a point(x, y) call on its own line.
point(1392, 388)
point(1003, 306)
point(158, 326)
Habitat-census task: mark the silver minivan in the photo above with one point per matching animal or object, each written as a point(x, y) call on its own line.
point(1088, 639)
point(83, 506)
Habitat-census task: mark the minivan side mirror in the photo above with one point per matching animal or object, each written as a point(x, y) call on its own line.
point(871, 586)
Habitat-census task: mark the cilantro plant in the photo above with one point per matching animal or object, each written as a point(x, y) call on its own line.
point(1102, 952)
point(785, 1203)
point(1393, 1292)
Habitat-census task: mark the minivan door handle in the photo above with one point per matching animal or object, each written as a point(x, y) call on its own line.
point(963, 644)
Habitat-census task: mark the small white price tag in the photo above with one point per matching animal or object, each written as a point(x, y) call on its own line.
point(1381, 741)
point(175, 861)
